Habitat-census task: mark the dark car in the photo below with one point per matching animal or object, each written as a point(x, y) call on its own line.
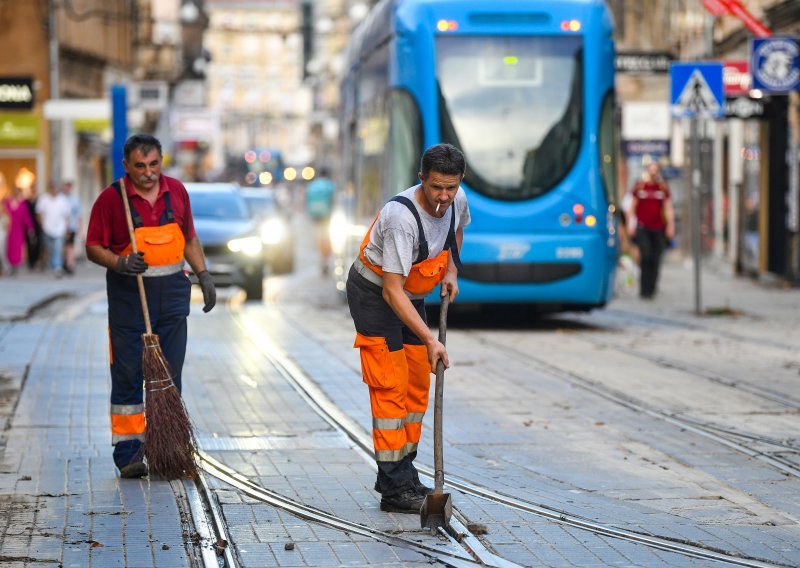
point(229, 233)
point(276, 233)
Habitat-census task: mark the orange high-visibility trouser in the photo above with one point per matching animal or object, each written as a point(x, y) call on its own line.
point(398, 382)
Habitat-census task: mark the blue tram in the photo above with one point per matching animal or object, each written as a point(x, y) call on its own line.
point(525, 88)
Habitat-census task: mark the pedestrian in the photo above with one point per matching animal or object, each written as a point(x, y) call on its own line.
point(652, 226)
point(4, 221)
point(411, 247)
point(52, 209)
point(319, 206)
point(33, 241)
point(165, 236)
point(74, 227)
point(19, 225)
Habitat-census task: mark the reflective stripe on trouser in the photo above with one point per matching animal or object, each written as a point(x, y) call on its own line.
point(168, 304)
point(127, 422)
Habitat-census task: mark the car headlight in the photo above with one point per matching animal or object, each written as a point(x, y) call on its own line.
point(273, 231)
point(251, 246)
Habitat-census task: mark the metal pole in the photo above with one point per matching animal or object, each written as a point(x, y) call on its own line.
point(55, 125)
point(792, 205)
point(696, 179)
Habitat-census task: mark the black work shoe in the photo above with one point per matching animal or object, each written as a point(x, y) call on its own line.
point(133, 470)
point(408, 501)
point(422, 489)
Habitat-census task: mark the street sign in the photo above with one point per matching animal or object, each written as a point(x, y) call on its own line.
point(775, 64)
point(697, 89)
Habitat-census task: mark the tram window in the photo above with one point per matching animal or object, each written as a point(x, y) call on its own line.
point(518, 119)
point(405, 141)
point(607, 147)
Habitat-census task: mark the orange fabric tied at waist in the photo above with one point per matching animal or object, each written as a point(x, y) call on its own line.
point(162, 245)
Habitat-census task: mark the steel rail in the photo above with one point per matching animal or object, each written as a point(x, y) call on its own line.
point(344, 423)
point(224, 473)
point(639, 406)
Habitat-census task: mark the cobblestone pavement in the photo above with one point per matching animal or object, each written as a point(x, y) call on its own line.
point(61, 502)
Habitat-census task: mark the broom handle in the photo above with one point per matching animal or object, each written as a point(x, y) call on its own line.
point(139, 279)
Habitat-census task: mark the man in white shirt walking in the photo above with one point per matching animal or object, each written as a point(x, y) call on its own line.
point(53, 211)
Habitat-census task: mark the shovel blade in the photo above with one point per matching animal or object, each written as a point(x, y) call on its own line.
point(436, 511)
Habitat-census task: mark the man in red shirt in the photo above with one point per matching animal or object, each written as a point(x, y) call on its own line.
point(165, 236)
point(652, 225)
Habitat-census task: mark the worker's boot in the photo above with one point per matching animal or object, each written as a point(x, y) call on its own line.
point(133, 470)
point(408, 501)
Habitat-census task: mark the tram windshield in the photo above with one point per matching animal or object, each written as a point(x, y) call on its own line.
point(514, 106)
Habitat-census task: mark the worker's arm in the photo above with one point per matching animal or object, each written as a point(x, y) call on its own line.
point(124, 264)
point(396, 297)
point(450, 281)
point(193, 252)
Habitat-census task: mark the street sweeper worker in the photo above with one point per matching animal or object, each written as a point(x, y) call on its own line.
point(165, 237)
point(410, 249)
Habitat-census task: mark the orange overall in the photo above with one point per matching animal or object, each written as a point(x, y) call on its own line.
point(167, 290)
point(394, 362)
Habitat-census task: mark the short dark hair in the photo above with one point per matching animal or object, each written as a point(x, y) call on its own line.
point(143, 142)
point(443, 158)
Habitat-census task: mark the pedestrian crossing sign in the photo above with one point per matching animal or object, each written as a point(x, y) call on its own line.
point(697, 90)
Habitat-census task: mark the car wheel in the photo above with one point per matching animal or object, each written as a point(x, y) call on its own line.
point(254, 286)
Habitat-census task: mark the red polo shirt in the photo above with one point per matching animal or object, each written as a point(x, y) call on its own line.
point(650, 199)
point(108, 227)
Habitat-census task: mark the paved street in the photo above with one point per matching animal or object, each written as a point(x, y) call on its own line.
point(642, 418)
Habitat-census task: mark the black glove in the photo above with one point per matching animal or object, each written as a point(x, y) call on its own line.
point(209, 291)
point(132, 264)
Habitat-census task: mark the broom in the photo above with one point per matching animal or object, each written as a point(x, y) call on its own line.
point(169, 440)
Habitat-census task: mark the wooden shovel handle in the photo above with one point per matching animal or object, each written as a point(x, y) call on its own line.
point(139, 279)
point(438, 401)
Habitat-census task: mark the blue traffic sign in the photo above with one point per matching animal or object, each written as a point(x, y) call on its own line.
point(697, 89)
point(775, 64)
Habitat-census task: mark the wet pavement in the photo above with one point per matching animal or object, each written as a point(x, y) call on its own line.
point(63, 503)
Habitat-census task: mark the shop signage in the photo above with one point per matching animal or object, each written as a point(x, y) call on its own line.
point(743, 107)
point(647, 147)
point(643, 62)
point(736, 78)
point(16, 93)
point(775, 64)
point(19, 130)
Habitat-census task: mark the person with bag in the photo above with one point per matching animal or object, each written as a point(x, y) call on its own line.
point(165, 236)
point(411, 247)
point(652, 226)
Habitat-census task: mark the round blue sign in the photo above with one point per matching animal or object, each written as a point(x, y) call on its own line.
point(775, 64)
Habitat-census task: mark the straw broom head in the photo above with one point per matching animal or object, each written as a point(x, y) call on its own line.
point(169, 443)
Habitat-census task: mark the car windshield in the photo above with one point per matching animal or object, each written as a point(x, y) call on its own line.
point(218, 205)
point(261, 204)
point(514, 106)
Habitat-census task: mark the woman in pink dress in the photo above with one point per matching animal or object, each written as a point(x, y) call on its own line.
point(20, 224)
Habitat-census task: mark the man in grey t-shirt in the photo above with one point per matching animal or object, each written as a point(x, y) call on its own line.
point(411, 248)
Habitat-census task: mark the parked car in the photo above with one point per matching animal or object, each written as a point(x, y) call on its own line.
point(276, 233)
point(229, 233)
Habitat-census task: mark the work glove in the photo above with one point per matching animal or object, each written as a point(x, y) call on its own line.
point(131, 264)
point(209, 291)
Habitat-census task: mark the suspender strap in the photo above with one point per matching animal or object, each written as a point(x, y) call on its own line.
point(449, 243)
point(423, 242)
point(166, 217)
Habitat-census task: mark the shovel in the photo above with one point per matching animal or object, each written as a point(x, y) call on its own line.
point(438, 506)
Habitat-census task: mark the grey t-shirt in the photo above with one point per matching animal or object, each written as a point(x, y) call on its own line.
point(394, 239)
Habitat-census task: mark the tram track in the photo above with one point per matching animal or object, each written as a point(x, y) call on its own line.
point(329, 411)
point(716, 433)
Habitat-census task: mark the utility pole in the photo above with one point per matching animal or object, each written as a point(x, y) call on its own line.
point(55, 125)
